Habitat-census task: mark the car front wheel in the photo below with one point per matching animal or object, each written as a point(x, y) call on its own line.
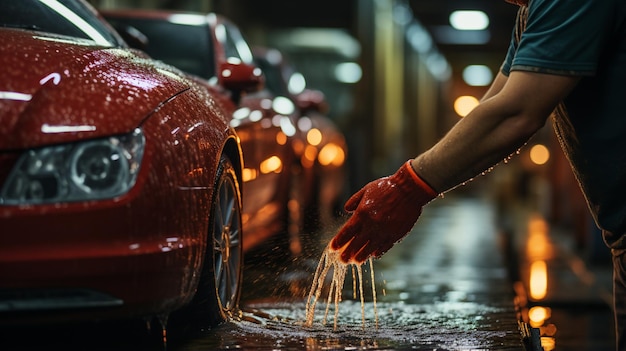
point(227, 242)
point(219, 288)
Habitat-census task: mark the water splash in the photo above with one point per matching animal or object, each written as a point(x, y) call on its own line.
point(330, 261)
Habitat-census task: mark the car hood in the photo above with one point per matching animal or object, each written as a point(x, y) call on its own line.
point(58, 89)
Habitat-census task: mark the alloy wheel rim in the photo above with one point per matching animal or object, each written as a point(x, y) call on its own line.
point(227, 244)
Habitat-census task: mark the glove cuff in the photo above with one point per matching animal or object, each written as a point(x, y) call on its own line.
point(419, 181)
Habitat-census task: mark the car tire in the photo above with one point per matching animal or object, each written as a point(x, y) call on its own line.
point(219, 288)
point(227, 248)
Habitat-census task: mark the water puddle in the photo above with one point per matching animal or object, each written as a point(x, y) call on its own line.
point(342, 312)
point(283, 326)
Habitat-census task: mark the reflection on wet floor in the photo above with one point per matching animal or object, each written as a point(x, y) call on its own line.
point(565, 298)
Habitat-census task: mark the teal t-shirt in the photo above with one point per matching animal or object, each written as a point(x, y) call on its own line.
point(585, 38)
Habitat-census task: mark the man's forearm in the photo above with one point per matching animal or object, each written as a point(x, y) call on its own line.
point(514, 109)
point(476, 143)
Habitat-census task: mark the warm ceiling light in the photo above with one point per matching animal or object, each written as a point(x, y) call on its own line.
point(463, 105)
point(539, 154)
point(469, 20)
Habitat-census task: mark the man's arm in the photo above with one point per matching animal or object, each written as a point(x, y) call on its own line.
point(384, 210)
point(512, 111)
point(496, 86)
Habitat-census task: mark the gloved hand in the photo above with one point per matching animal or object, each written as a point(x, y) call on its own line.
point(384, 211)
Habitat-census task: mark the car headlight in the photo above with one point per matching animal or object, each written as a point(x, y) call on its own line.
point(88, 170)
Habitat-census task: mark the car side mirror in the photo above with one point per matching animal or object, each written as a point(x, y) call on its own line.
point(238, 76)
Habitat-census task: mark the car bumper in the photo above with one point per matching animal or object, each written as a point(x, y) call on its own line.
point(92, 263)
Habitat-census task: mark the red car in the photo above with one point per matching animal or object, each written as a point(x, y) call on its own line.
point(283, 183)
point(120, 178)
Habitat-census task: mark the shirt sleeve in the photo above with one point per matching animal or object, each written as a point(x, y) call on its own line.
point(510, 54)
point(563, 37)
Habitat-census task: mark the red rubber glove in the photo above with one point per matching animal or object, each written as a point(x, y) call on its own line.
point(384, 211)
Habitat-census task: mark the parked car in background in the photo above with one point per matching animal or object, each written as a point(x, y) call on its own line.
point(320, 183)
point(120, 177)
point(267, 124)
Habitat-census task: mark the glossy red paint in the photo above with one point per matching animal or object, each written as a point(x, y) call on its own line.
point(266, 135)
point(135, 254)
point(117, 89)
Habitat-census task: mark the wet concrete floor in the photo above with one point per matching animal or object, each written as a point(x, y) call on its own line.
point(446, 286)
point(459, 281)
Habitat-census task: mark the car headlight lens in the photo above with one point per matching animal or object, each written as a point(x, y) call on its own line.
point(89, 170)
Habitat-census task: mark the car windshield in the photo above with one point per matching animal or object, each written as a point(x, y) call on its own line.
point(273, 77)
point(181, 43)
point(72, 18)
